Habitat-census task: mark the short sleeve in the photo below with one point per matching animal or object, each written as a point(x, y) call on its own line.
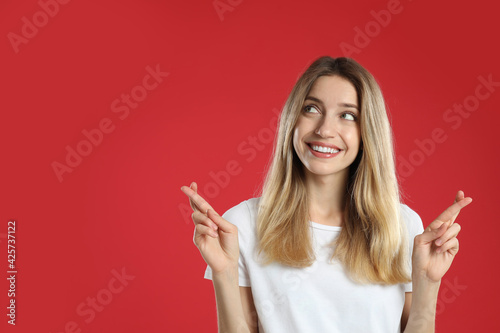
point(415, 227)
point(241, 217)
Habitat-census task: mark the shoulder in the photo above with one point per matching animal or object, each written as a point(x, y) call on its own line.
point(244, 214)
point(412, 219)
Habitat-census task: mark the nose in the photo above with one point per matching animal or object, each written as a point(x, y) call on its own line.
point(327, 128)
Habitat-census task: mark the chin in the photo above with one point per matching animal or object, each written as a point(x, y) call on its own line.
point(324, 172)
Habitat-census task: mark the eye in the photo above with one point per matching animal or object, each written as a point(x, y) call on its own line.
point(310, 106)
point(349, 116)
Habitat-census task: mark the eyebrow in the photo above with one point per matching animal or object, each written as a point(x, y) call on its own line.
point(347, 105)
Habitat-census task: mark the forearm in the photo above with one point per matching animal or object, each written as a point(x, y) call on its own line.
point(422, 317)
point(230, 315)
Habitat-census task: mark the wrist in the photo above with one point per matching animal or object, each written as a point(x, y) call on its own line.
point(421, 279)
point(425, 293)
point(229, 274)
point(423, 307)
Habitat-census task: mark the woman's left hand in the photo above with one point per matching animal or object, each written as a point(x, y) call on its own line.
point(435, 249)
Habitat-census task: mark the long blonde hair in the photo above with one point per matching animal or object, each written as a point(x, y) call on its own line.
point(373, 242)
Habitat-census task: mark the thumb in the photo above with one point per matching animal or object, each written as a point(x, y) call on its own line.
point(430, 234)
point(223, 225)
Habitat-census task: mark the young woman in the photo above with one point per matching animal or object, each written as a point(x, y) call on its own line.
point(327, 247)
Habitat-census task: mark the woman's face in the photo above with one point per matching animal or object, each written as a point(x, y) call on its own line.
point(327, 136)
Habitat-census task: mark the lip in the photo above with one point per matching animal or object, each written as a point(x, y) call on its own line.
point(322, 155)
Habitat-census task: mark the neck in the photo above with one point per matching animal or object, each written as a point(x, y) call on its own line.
point(327, 197)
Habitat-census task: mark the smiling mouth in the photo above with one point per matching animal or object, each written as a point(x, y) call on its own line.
point(324, 150)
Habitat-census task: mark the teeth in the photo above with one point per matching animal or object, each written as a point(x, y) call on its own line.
point(325, 149)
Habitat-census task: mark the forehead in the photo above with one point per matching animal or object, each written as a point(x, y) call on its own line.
point(334, 89)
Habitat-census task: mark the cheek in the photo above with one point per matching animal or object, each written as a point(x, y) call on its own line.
point(353, 138)
point(295, 138)
point(301, 128)
point(358, 136)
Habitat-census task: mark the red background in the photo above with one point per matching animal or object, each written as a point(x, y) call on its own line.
point(122, 208)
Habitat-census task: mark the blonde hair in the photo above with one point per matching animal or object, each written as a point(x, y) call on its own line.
point(373, 242)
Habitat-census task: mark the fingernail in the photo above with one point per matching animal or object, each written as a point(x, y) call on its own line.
point(214, 227)
point(438, 242)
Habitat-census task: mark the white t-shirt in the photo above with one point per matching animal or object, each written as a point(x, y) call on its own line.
point(319, 298)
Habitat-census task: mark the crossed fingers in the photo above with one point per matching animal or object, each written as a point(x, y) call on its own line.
point(195, 200)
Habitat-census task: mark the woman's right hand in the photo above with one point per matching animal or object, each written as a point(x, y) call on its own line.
point(215, 237)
